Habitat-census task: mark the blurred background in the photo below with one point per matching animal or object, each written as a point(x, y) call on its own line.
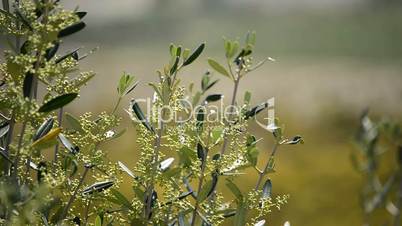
point(333, 59)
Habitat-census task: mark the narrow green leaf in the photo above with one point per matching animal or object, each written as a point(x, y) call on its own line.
point(206, 188)
point(121, 199)
point(211, 84)
point(73, 149)
point(182, 220)
point(255, 110)
point(23, 19)
point(140, 115)
point(200, 119)
point(241, 212)
point(200, 153)
point(73, 54)
point(234, 189)
point(178, 51)
point(138, 192)
point(174, 66)
point(217, 135)
point(98, 221)
point(187, 156)
point(213, 98)
point(196, 98)
point(27, 85)
point(186, 53)
point(247, 97)
point(267, 189)
point(127, 170)
point(294, 140)
point(44, 129)
point(252, 155)
point(205, 81)
point(58, 102)
point(250, 38)
point(97, 187)
point(197, 52)
point(217, 67)
point(73, 122)
point(81, 14)
point(71, 29)
point(51, 52)
point(4, 127)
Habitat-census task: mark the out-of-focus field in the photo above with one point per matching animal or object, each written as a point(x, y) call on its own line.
point(332, 61)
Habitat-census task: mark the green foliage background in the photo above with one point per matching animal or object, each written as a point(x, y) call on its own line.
point(332, 61)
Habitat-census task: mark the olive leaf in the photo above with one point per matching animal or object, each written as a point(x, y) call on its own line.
point(247, 97)
point(234, 189)
point(51, 52)
point(294, 140)
point(201, 153)
point(48, 137)
point(255, 110)
point(4, 128)
point(165, 164)
point(73, 149)
point(205, 84)
point(27, 84)
point(74, 122)
point(23, 19)
point(81, 14)
point(208, 188)
point(32, 165)
point(97, 187)
point(197, 52)
point(5, 156)
point(182, 220)
point(140, 115)
point(231, 48)
point(71, 29)
point(180, 197)
point(200, 118)
point(58, 102)
point(217, 135)
point(241, 213)
point(127, 170)
point(98, 221)
point(213, 98)
point(126, 84)
point(73, 54)
point(121, 199)
point(217, 67)
point(250, 38)
point(173, 69)
point(154, 198)
point(267, 189)
point(260, 223)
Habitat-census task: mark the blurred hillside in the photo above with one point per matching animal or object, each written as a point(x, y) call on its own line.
point(334, 58)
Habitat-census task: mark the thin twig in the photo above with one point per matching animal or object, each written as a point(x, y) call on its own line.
point(235, 89)
point(86, 214)
point(397, 217)
point(150, 188)
point(17, 156)
point(201, 181)
point(59, 120)
point(117, 105)
point(262, 173)
point(72, 197)
point(8, 142)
